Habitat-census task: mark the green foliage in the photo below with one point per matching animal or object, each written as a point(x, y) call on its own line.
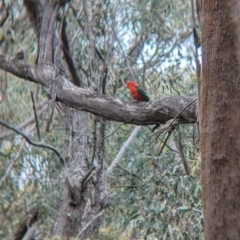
point(29, 176)
point(153, 194)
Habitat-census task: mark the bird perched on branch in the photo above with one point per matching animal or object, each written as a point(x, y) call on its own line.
point(137, 92)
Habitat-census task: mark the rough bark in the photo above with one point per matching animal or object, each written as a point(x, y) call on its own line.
point(84, 192)
point(220, 125)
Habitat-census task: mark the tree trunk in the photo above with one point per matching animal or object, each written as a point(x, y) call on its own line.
point(84, 193)
point(220, 125)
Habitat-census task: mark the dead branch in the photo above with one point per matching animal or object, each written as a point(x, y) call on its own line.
point(180, 149)
point(169, 131)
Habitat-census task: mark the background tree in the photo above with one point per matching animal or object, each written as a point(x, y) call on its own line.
point(220, 130)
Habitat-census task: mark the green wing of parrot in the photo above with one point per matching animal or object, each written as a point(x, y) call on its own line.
point(143, 94)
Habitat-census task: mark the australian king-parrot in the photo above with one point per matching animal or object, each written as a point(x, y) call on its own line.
point(137, 92)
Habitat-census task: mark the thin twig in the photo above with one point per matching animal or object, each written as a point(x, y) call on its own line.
point(182, 111)
point(135, 175)
point(8, 170)
point(179, 114)
point(131, 186)
point(28, 121)
point(169, 129)
point(90, 222)
point(133, 75)
point(109, 135)
point(50, 119)
point(102, 139)
point(36, 144)
point(36, 116)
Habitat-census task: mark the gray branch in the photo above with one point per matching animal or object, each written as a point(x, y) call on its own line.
point(139, 113)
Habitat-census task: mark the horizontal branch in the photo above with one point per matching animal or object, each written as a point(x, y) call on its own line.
point(139, 113)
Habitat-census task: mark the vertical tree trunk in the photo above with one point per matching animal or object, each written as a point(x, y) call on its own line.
point(220, 125)
point(84, 193)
